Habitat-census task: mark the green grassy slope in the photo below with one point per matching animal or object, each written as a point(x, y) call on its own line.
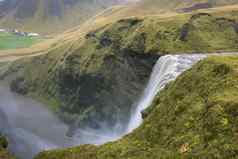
point(190, 118)
point(11, 41)
point(115, 61)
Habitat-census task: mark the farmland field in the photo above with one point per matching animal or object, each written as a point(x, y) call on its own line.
point(12, 41)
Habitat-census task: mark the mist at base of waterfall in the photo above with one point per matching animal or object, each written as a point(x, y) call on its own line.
point(31, 128)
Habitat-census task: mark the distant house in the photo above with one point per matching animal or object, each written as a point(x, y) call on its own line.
point(19, 33)
point(15, 31)
point(33, 34)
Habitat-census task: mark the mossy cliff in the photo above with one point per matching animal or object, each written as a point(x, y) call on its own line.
point(85, 82)
point(190, 118)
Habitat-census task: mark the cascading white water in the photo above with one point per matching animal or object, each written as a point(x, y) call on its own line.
point(166, 69)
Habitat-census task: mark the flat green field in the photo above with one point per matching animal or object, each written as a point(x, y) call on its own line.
point(11, 41)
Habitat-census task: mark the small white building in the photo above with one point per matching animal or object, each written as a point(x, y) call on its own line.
point(33, 34)
point(2, 30)
point(16, 31)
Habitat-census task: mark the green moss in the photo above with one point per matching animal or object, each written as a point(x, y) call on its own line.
point(200, 32)
point(193, 117)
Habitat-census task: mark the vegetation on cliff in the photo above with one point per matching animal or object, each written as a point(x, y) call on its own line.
point(190, 118)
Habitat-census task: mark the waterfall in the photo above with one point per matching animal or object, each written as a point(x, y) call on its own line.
point(167, 68)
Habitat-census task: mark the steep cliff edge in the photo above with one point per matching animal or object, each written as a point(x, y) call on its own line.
point(190, 118)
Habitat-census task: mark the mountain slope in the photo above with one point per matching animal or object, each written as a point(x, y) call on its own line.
point(55, 16)
point(49, 16)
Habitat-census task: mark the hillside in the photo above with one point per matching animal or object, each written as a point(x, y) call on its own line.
point(49, 17)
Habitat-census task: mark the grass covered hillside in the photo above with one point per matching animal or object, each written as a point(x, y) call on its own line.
point(12, 41)
point(49, 16)
point(85, 81)
point(55, 16)
point(190, 118)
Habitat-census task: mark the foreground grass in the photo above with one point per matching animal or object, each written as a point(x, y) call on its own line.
point(11, 41)
point(193, 117)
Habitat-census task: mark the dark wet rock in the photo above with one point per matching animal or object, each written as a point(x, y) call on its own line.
point(184, 32)
point(19, 86)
